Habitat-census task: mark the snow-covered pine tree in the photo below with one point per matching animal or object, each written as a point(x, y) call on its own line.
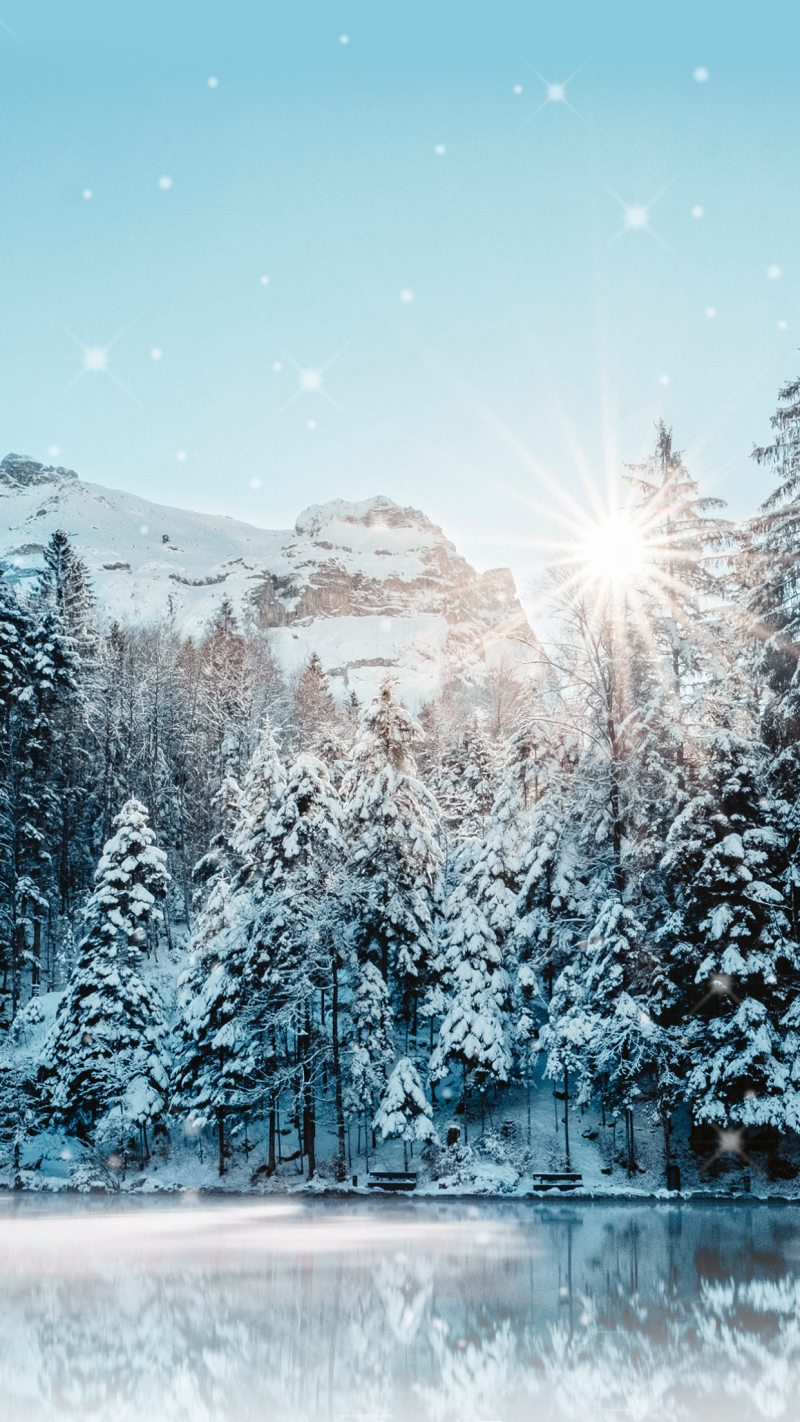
point(495, 879)
point(769, 587)
point(39, 786)
point(219, 1071)
point(67, 589)
point(768, 567)
point(216, 1068)
point(72, 594)
point(684, 542)
point(263, 784)
point(465, 783)
point(392, 828)
point(106, 1054)
point(474, 1032)
point(735, 954)
point(602, 1034)
point(314, 716)
point(221, 858)
point(405, 1110)
point(293, 944)
point(14, 635)
point(371, 1047)
point(223, 696)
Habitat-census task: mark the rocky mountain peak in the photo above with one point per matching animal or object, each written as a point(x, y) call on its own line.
point(377, 512)
point(17, 471)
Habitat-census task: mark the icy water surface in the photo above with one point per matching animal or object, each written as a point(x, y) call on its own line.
point(398, 1310)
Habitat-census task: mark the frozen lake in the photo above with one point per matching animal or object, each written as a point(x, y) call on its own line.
point(391, 1310)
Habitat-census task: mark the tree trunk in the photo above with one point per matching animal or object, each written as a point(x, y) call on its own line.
point(36, 965)
point(304, 1048)
point(466, 1127)
point(271, 1167)
point(566, 1115)
point(221, 1129)
point(18, 954)
point(337, 1070)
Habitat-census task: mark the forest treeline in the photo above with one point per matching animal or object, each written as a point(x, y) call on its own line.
point(591, 854)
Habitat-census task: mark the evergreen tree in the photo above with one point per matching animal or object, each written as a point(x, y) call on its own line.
point(768, 566)
point(733, 946)
point(371, 1047)
point(473, 1033)
point(216, 1067)
point(464, 783)
point(316, 723)
point(71, 591)
point(219, 1070)
point(292, 936)
point(106, 1052)
point(404, 1110)
point(38, 788)
point(392, 828)
point(263, 784)
point(14, 636)
point(496, 877)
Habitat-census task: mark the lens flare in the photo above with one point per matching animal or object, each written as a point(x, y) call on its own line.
point(614, 550)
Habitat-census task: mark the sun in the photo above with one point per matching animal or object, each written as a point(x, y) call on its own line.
point(613, 551)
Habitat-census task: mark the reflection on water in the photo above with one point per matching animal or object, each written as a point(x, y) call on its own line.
point(384, 1310)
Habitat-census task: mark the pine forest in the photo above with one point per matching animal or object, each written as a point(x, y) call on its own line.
point(253, 936)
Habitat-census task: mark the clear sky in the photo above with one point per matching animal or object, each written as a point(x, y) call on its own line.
point(481, 291)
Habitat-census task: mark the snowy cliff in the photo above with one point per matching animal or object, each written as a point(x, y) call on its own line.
point(368, 585)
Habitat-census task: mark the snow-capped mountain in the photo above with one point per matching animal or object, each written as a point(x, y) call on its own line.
point(370, 586)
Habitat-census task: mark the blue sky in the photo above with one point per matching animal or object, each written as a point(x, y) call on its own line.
point(542, 338)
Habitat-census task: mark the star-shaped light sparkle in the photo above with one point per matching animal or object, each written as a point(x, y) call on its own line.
point(311, 381)
point(637, 217)
point(95, 360)
point(555, 93)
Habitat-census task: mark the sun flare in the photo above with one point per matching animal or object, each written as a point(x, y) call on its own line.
point(614, 550)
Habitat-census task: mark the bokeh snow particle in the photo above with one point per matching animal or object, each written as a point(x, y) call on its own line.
point(87, 192)
point(773, 272)
point(440, 150)
point(54, 451)
point(782, 325)
point(165, 184)
point(255, 483)
point(144, 528)
point(312, 424)
point(344, 39)
point(213, 83)
point(701, 74)
point(277, 365)
point(663, 380)
point(156, 353)
point(697, 211)
point(181, 455)
point(406, 295)
point(517, 88)
point(711, 311)
point(264, 281)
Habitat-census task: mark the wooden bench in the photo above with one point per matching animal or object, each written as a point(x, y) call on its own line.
point(392, 1180)
point(556, 1180)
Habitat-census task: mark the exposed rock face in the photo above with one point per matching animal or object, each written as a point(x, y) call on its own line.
point(19, 472)
point(376, 559)
point(370, 586)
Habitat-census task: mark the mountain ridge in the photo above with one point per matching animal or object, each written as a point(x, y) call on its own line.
point(367, 584)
